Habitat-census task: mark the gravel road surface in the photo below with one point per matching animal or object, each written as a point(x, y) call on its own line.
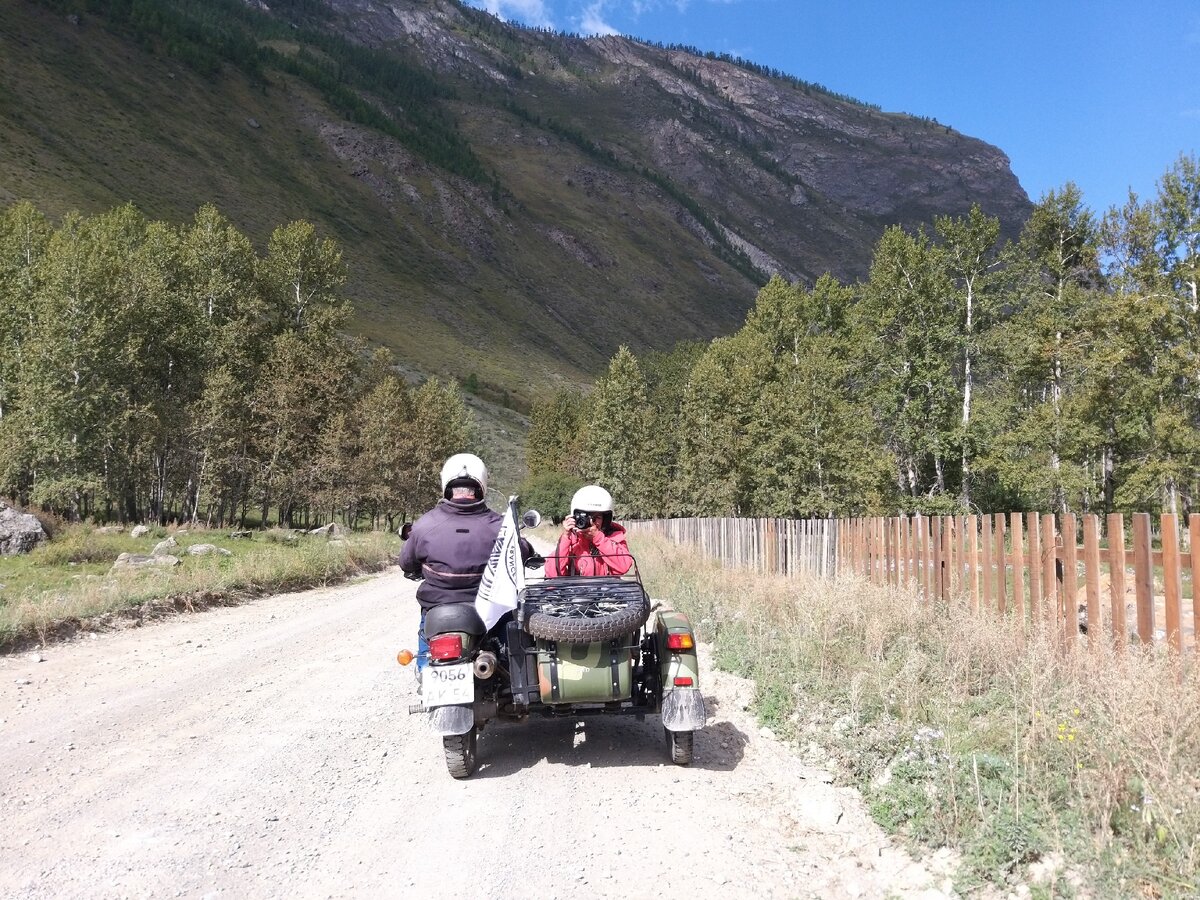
point(266, 751)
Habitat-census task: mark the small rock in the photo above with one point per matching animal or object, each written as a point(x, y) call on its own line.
point(206, 549)
point(141, 561)
point(766, 733)
point(24, 681)
point(253, 122)
point(163, 547)
point(139, 531)
point(36, 657)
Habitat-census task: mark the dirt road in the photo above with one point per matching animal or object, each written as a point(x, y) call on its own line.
point(266, 751)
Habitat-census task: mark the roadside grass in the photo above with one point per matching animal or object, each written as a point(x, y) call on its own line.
point(67, 583)
point(1074, 773)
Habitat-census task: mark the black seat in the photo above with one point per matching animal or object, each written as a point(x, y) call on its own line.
point(454, 617)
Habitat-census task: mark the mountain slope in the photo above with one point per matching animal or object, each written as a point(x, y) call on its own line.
point(512, 203)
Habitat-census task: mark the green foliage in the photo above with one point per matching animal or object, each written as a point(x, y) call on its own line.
point(549, 493)
point(160, 373)
point(367, 86)
point(1058, 372)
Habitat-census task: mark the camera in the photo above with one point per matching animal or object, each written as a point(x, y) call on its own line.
point(582, 519)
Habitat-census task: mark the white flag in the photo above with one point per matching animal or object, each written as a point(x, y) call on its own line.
point(505, 574)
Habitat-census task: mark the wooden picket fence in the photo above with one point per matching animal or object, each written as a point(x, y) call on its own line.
point(1069, 573)
point(774, 546)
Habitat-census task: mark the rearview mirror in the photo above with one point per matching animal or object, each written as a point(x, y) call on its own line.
point(531, 518)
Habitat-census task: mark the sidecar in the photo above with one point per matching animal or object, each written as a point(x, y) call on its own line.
point(575, 647)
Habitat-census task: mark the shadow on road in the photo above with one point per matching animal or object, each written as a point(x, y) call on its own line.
point(506, 748)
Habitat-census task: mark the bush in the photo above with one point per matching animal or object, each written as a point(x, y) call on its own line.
point(550, 494)
point(959, 731)
point(81, 544)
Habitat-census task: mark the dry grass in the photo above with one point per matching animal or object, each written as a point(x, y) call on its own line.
point(1077, 771)
point(67, 584)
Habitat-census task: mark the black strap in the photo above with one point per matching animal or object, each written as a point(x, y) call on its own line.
point(615, 667)
point(555, 693)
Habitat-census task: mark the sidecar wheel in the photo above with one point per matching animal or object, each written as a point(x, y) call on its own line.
point(679, 743)
point(460, 753)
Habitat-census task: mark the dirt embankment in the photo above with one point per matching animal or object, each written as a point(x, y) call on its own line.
point(266, 750)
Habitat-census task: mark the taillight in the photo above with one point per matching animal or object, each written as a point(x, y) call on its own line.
point(683, 681)
point(447, 646)
point(680, 641)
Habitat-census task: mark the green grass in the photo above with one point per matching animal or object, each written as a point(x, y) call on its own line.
point(68, 582)
point(1076, 773)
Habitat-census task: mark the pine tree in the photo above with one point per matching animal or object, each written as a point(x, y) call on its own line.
point(618, 431)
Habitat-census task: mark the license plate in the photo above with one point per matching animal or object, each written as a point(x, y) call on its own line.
point(446, 685)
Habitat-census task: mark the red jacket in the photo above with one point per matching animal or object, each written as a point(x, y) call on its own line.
point(577, 555)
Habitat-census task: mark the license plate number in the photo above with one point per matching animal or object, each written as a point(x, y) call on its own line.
point(447, 685)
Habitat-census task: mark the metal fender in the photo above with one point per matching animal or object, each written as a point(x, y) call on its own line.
point(451, 720)
point(676, 664)
point(683, 710)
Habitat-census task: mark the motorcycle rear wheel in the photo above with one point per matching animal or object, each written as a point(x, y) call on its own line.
point(460, 752)
point(679, 743)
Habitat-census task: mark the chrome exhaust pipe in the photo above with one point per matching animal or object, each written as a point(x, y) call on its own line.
point(485, 665)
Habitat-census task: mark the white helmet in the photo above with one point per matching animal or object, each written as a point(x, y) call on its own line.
point(464, 466)
point(592, 498)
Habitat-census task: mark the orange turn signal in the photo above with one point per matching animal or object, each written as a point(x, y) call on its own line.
point(681, 641)
point(404, 657)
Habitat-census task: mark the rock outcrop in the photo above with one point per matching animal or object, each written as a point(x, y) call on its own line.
point(19, 532)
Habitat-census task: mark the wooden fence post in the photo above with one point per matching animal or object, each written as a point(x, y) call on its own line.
point(1143, 577)
point(935, 557)
point(1194, 550)
point(1034, 557)
point(1172, 580)
point(1001, 576)
point(1116, 579)
point(1091, 562)
point(898, 542)
point(986, 577)
point(1070, 579)
point(1048, 573)
point(1018, 563)
point(947, 556)
point(971, 533)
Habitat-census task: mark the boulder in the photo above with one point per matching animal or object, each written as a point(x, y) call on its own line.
point(110, 529)
point(139, 530)
point(332, 530)
point(141, 561)
point(206, 549)
point(19, 532)
point(164, 547)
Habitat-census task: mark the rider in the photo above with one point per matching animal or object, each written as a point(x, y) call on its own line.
point(449, 546)
point(596, 549)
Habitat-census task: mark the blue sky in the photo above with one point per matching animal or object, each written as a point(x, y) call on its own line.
point(1102, 93)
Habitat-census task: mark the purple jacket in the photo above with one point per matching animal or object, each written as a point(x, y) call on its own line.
point(449, 547)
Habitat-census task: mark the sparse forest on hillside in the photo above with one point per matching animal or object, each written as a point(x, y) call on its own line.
point(151, 372)
point(1057, 372)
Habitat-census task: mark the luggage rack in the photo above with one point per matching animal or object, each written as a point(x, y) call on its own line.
point(596, 594)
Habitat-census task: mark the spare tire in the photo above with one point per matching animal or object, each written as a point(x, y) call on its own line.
point(575, 626)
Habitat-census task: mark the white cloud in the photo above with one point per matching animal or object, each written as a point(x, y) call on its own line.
point(592, 20)
point(530, 12)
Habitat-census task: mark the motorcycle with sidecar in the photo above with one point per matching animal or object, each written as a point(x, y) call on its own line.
point(574, 647)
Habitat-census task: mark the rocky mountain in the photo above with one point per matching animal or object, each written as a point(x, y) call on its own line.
point(513, 203)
